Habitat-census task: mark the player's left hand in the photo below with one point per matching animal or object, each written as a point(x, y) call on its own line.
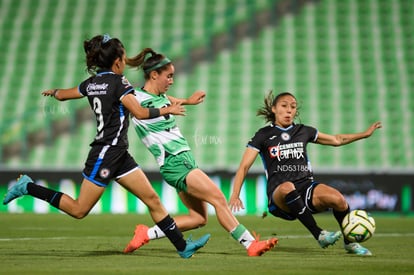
point(373, 127)
point(196, 98)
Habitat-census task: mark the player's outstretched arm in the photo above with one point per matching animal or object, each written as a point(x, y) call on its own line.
point(63, 94)
point(196, 98)
point(132, 104)
point(342, 139)
point(248, 158)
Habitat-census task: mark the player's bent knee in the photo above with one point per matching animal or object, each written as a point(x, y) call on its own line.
point(285, 188)
point(342, 204)
point(79, 214)
point(202, 222)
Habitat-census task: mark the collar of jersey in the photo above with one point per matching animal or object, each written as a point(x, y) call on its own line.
point(101, 72)
point(284, 129)
point(151, 94)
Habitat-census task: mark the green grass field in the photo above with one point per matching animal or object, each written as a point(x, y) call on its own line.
point(58, 244)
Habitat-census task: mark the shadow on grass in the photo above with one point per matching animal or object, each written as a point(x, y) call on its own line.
point(153, 253)
point(66, 253)
point(297, 250)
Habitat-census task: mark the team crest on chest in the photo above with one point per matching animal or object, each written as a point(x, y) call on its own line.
point(285, 136)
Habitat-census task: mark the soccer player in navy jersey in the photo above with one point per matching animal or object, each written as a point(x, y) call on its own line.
point(112, 99)
point(291, 189)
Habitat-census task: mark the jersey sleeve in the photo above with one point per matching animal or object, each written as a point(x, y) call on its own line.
point(124, 87)
point(256, 141)
point(82, 87)
point(312, 133)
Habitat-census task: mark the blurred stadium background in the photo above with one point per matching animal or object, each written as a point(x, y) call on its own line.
point(349, 63)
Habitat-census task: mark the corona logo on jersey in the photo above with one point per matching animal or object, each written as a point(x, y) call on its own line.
point(287, 151)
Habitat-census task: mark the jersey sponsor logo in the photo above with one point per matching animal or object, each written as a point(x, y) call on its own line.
point(274, 151)
point(293, 150)
point(97, 89)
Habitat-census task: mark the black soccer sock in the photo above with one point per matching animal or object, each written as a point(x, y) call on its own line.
point(170, 229)
point(297, 207)
point(43, 193)
point(339, 216)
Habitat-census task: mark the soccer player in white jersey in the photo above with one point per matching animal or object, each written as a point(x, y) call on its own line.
point(177, 165)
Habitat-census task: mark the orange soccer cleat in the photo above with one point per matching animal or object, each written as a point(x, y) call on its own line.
point(140, 238)
point(257, 247)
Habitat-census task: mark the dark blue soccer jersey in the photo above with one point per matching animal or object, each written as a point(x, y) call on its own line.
point(283, 152)
point(105, 91)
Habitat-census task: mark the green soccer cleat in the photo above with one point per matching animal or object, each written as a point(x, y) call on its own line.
point(327, 238)
point(17, 190)
point(357, 249)
point(193, 246)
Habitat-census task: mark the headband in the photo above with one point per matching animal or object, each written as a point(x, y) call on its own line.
point(163, 62)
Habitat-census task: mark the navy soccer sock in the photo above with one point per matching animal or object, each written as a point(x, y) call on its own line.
point(297, 207)
point(170, 229)
point(43, 193)
point(339, 216)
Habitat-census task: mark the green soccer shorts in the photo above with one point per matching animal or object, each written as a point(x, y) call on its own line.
point(176, 169)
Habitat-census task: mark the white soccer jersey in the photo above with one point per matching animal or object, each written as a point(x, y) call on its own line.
point(160, 135)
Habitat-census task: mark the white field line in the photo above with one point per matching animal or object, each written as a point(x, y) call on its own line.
point(381, 235)
point(378, 235)
point(48, 238)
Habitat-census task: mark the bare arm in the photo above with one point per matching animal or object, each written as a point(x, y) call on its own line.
point(132, 104)
point(342, 139)
point(196, 98)
point(248, 158)
point(63, 94)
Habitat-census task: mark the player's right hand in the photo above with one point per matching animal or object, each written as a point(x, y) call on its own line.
point(176, 108)
point(50, 92)
point(235, 204)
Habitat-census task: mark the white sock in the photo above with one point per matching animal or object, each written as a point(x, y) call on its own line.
point(242, 235)
point(155, 233)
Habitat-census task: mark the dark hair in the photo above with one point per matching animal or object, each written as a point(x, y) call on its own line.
point(101, 52)
point(270, 101)
point(149, 61)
